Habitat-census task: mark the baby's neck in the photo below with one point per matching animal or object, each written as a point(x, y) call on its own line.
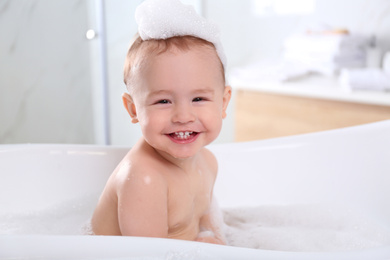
point(186, 164)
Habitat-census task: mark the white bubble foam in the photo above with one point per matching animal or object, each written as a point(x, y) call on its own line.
point(303, 228)
point(65, 218)
point(162, 19)
point(281, 228)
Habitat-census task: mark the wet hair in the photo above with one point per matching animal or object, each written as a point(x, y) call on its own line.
point(140, 51)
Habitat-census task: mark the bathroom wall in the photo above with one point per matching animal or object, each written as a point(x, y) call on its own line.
point(45, 87)
point(248, 36)
point(121, 27)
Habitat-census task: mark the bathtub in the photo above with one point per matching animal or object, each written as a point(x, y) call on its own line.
point(43, 183)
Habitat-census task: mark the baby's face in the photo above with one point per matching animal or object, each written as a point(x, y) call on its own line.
point(180, 101)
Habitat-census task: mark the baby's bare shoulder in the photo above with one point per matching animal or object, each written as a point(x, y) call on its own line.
point(137, 170)
point(209, 154)
point(210, 160)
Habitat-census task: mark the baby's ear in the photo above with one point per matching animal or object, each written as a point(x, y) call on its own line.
point(130, 107)
point(227, 94)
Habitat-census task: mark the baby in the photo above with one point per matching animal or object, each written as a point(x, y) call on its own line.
point(164, 185)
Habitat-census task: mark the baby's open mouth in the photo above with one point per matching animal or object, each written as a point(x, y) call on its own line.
point(183, 135)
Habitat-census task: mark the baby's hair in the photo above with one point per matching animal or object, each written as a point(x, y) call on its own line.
point(141, 50)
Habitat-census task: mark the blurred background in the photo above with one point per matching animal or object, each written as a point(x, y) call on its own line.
point(296, 66)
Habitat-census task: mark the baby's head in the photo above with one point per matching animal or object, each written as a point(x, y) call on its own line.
point(166, 25)
point(142, 52)
point(175, 75)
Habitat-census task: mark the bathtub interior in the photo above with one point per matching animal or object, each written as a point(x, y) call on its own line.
point(347, 167)
point(35, 177)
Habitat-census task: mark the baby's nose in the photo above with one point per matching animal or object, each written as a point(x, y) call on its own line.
point(183, 114)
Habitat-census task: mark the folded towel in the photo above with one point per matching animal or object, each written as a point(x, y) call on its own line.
point(364, 79)
point(386, 63)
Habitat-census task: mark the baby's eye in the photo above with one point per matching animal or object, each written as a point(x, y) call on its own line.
point(198, 99)
point(163, 101)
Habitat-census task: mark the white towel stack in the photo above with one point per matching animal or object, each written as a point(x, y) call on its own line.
point(327, 53)
point(367, 78)
point(364, 79)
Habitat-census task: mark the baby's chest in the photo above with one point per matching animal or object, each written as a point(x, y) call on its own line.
point(188, 201)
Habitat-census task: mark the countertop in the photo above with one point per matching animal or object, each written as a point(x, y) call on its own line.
point(313, 87)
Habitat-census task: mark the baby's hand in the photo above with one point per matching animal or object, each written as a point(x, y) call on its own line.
point(208, 237)
point(211, 240)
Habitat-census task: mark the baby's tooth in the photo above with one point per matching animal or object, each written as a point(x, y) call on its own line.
point(183, 135)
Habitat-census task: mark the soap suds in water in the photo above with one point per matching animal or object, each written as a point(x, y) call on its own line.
point(302, 228)
point(66, 218)
point(283, 228)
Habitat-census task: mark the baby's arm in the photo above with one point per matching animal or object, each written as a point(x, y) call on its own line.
point(211, 225)
point(142, 205)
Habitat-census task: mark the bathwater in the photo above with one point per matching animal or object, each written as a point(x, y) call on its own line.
point(66, 218)
point(282, 228)
point(303, 228)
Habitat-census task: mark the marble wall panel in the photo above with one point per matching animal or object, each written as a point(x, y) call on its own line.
point(45, 77)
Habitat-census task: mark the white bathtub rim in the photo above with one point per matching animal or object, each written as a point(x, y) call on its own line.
point(307, 138)
point(116, 247)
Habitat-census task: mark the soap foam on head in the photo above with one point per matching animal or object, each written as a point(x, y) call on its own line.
point(162, 19)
